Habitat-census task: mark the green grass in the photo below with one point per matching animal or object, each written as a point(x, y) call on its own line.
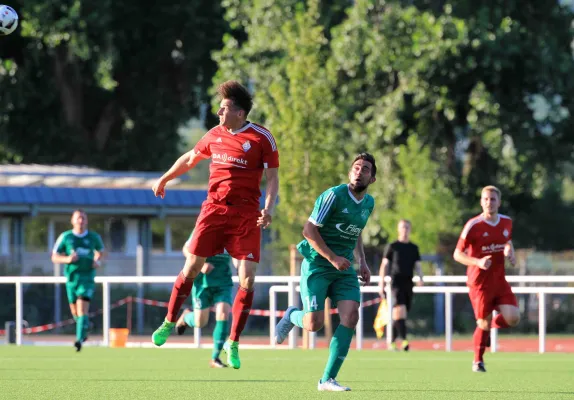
point(101, 373)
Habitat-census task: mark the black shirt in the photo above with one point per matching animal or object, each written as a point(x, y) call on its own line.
point(402, 259)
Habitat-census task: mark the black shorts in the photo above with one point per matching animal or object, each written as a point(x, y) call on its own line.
point(403, 296)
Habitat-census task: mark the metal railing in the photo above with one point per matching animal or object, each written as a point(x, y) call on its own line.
point(289, 285)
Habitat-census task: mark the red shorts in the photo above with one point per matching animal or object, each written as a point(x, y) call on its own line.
point(485, 301)
point(225, 227)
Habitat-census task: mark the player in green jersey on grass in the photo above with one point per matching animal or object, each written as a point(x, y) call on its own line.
point(81, 251)
point(332, 241)
point(211, 288)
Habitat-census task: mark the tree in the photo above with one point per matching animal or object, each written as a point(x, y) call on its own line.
point(103, 83)
point(424, 197)
point(484, 86)
point(293, 92)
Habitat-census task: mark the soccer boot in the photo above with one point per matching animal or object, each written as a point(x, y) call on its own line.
point(405, 345)
point(78, 345)
point(180, 325)
point(331, 385)
point(232, 349)
point(217, 363)
point(284, 326)
point(159, 337)
point(392, 347)
point(478, 367)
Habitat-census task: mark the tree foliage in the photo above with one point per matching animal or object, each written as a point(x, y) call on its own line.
point(295, 99)
point(424, 197)
point(474, 93)
point(105, 83)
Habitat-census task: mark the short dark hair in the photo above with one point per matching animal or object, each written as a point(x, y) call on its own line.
point(367, 157)
point(79, 210)
point(236, 92)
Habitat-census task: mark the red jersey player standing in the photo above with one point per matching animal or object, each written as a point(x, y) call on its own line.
point(484, 243)
point(229, 218)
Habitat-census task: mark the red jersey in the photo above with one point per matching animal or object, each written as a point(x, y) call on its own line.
point(481, 238)
point(237, 162)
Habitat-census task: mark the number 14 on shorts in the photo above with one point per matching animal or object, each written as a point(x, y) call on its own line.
point(311, 303)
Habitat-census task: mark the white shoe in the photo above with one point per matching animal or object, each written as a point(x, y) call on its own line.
point(331, 385)
point(284, 326)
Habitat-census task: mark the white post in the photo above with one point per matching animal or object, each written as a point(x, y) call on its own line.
point(494, 335)
point(389, 292)
point(448, 321)
point(292, 299)
point(272, 316)
point(360, 325)
point(19, 312)
point(132, 237)
point(106, 313)
point(541, 322)
point(312, 340)
point(197, 337)
point(4, 237)
point(51, 234)
point(167, 237)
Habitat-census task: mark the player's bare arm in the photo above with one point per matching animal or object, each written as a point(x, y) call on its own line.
point(183, 164)
point(509, 253)
point(313, 236)
point(419, 272)
point(272, 178)
point(364, 271)
point(463, 258)
point(58, 258)
point(99, 256)
point(383, 271)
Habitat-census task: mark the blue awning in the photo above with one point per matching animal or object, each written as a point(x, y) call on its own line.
point(129, 201)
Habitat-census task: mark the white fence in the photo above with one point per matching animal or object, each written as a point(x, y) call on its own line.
point(289, 284)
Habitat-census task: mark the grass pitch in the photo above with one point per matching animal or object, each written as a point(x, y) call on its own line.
point(100, 373)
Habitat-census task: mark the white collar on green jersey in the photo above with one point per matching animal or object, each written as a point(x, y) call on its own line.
point(81, 235)
point(353, 197)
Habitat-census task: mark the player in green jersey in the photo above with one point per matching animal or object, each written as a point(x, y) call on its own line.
point(81, 251)
point(332, 241)
point(211, 288)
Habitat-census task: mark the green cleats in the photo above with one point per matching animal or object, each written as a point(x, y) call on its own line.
point(161, 334)
point(232, 350)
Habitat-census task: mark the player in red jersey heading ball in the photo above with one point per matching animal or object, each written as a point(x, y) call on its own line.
point(484, 243)
point(229, 218)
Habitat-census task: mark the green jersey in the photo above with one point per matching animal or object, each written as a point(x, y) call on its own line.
point(220, 275)
point(341, 219)
point(84, 245)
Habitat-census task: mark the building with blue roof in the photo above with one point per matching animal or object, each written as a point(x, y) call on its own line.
point(37, 199)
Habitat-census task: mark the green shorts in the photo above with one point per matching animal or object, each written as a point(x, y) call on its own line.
point(79, 290)
point(319, 282)
point(205, 297)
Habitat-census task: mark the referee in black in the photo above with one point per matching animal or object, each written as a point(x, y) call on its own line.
point(401, 260)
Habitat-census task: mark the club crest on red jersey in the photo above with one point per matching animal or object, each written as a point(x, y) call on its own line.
point(505, 233)
point(246, 146)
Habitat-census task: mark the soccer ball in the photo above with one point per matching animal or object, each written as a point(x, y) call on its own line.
point(8, 20)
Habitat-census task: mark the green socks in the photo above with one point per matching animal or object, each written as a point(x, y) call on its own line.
point(296, 318)
point(81, 327)
point(338, 350)
point(220, 333)
point(189, 319)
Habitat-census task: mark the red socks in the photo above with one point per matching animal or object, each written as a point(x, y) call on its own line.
point(499, 322)
point(479, 340)
point(179, 293)
point(240, 312)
